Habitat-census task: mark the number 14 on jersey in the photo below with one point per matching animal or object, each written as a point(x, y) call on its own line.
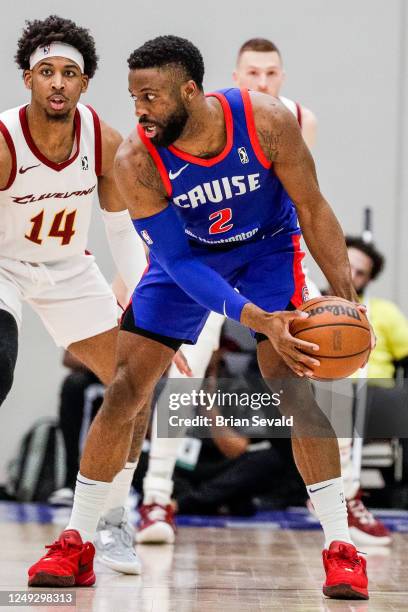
point(62, 227)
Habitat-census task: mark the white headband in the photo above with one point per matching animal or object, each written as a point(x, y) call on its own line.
point(56, 49)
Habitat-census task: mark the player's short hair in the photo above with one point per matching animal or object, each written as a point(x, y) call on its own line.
point(262, 45)
point(368, 248)
point(170, 50)
point(54, 28)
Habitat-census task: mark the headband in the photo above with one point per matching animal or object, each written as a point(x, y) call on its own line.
point(57, 49)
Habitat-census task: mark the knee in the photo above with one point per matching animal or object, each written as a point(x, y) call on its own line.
point(125, 398)
point(8, 352)
point(296, 397)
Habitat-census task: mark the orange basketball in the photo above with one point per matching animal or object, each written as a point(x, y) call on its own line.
point(341, 331)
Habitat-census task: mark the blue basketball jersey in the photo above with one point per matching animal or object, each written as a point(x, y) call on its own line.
point(233, 197)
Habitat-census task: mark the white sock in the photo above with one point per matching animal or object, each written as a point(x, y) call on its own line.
point(158, 482)
point(120, 488)
point(157, 490)
point(328, 500)
point(351, 484)
point(89, 499)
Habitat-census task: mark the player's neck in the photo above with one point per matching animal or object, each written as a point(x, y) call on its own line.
point(55, 139)
point(205, 133)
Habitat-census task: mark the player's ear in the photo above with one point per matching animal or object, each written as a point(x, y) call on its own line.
point(235, 76)
point(85, 82)
point(28, 79)
point(190, 91)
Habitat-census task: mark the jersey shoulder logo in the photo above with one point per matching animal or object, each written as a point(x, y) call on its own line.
point(174, 175)
point(146, 237)
point(243, 155)
point(24, 170)
point(84, 162)
point(305, 293)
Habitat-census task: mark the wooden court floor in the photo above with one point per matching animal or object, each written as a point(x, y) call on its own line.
point(217, 570)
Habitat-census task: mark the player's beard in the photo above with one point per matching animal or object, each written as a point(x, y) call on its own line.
point(172, 129)
point(60, 118)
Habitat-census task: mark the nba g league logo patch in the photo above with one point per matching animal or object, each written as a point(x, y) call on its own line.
point(243, 155)
point(305, 294)
point(146, 237)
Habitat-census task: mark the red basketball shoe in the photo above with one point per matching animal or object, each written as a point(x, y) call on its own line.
point(346, 575)
point(68, 562)
point(156, 524)
point(364, 528)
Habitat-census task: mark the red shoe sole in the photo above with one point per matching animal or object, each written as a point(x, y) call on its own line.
point(345, 591)
point(52, 580)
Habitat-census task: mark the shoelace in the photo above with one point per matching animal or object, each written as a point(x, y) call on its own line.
point(126, 534)
point(123, 531)
point(359, 510)
point(157, 513)
point(57, 548)
point(128, 537)
point(344, 559)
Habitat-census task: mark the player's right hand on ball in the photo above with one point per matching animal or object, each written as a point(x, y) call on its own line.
point(373, 338)
point(292, 350)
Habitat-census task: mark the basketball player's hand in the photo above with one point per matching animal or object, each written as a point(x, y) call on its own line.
point(362, 308)
point(292, 350)
point(181, 363)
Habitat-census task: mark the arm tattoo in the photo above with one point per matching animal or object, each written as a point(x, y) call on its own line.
point(148, 175)
point(271, 143)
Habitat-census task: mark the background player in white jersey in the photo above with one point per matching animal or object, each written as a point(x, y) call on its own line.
point(55, 155)
point(259, 67)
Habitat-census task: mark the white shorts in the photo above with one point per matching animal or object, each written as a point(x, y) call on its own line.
point(71, 296)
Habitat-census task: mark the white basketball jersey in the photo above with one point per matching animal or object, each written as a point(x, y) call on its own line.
point(45, 209)
point(294, 108)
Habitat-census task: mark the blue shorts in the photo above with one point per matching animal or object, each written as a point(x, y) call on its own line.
point(268, 272)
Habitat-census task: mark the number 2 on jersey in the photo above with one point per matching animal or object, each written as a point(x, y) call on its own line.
point(60, 228)
point(221, 224)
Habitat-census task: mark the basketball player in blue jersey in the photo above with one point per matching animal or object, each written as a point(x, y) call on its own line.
point(259, 67)
point(215, 185)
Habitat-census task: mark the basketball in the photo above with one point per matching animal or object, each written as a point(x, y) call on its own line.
point(341, 331)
